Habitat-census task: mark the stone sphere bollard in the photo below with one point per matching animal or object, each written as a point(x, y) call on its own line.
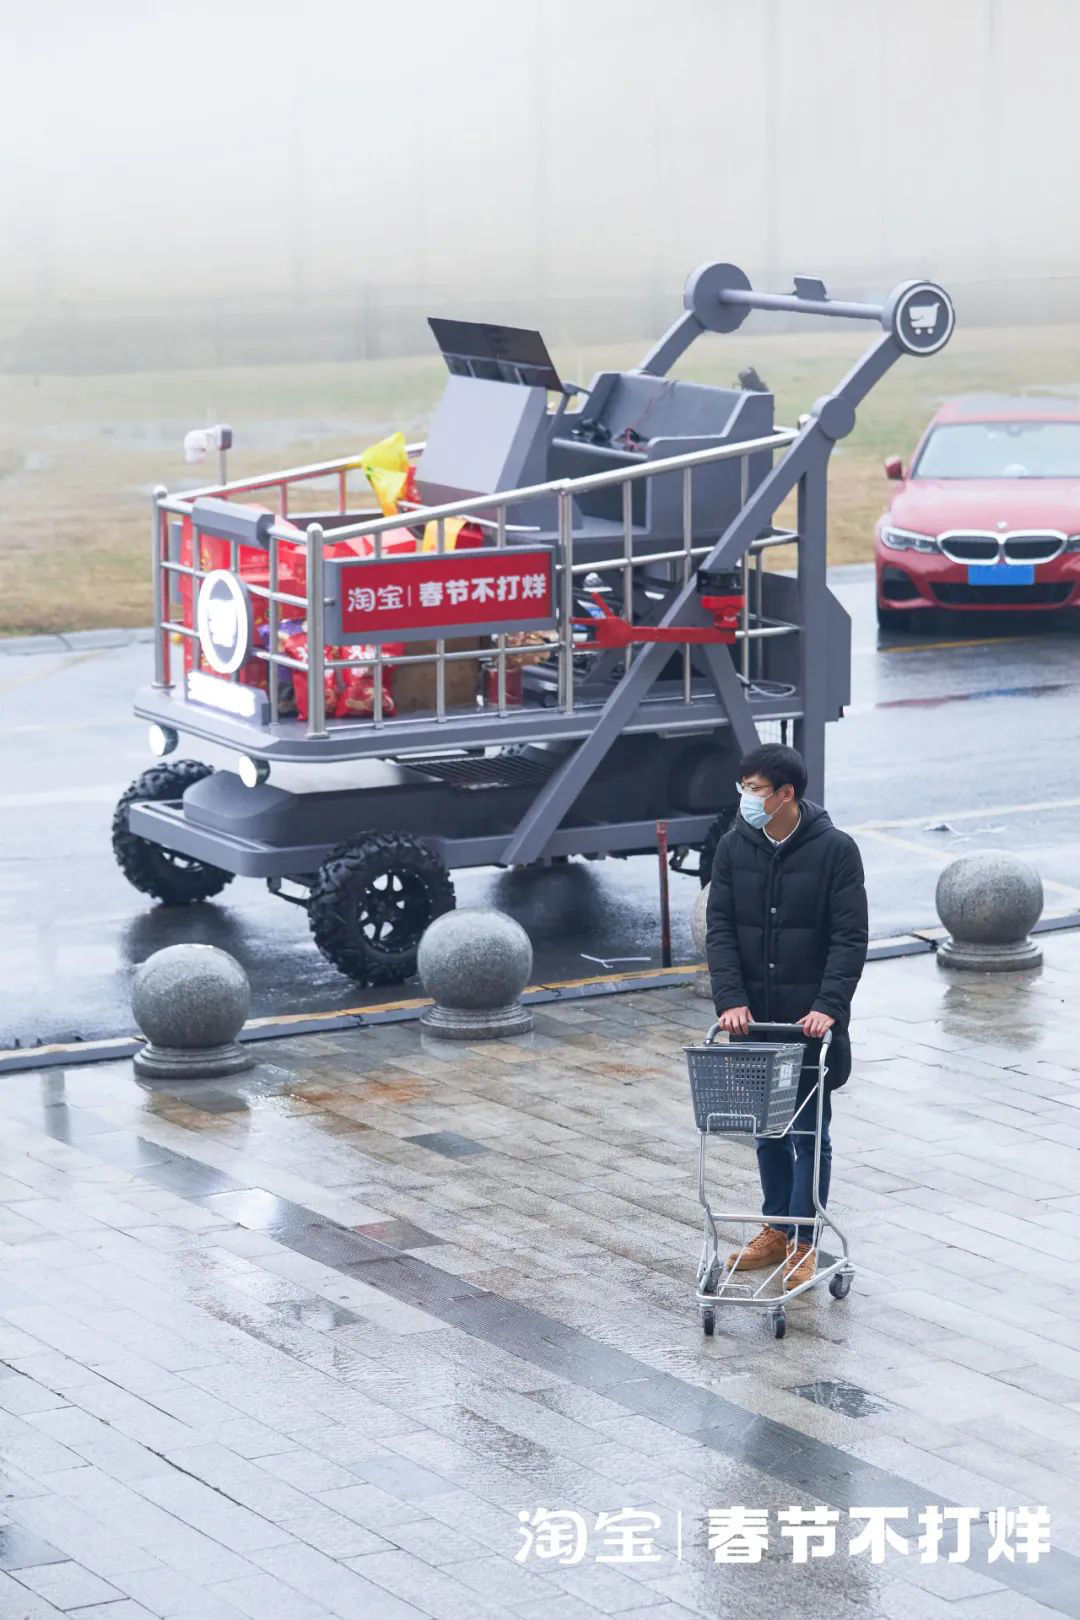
point(475, 963)
point(190, 1001)
point(702, 986)
point(989, 901)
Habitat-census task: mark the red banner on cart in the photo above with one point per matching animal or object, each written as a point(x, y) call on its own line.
point(426, 595)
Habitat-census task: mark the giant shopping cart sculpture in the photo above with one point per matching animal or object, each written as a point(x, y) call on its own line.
point(628, 532)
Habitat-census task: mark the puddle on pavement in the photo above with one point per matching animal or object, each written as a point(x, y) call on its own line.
point(848, 1399)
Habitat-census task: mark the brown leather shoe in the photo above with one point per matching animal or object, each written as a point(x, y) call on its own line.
point(801, 1266)
point(767, 1249)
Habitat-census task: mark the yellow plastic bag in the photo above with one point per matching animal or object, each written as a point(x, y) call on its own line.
point(452, 527)
point(386, 467)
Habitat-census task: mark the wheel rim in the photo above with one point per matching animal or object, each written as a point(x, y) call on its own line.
point(392, 911)
point(177, 862)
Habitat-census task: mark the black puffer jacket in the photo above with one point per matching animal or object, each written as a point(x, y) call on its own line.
point(786, 926)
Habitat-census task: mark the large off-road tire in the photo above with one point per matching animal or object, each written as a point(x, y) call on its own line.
point(707, 854)
point(172, 878)
point(371, 901)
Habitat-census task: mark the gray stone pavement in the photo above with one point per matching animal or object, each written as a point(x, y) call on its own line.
point(306, 1343)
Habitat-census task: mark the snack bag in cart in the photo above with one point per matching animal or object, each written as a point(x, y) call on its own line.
point(296, 646)
point(356, 700)
point(349, 694)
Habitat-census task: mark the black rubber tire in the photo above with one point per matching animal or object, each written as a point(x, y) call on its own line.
point(348, 911)
point(707, 852)
point(174, 879)
point(779, 1324)
point(708, 1321)
point(893, 618)
point(840, 1284)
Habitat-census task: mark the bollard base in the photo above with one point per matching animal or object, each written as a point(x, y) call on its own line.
point(1012, 957)
point(477, 1024)
point(199, 1063)
point(702, 986)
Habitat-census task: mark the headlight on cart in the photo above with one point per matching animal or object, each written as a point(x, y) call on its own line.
point(252, 772)
point(907, 540)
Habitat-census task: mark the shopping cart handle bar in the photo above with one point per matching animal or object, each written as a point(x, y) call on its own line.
point(803, 303)
point(769, 1023)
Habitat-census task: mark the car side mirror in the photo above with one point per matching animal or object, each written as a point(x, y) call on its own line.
point(894, 467)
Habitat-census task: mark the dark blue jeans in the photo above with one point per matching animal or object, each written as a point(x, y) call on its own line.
point(786, 1164)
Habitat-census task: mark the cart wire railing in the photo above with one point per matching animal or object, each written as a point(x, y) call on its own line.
point(490, 514)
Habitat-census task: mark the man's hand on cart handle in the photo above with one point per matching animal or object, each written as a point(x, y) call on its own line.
point(815, 1024)
point(736, 1020)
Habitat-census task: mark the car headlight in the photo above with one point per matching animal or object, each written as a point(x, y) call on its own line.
point(907, 540)
point(1073, 543)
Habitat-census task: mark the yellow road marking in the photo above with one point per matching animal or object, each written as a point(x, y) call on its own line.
point(67, 1046)
point(425, 1001)
point(359, 1012)
point(943, 646)
point(338, 1012)
point(612, 978)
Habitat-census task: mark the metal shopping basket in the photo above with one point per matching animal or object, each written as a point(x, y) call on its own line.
point(752, 1087)
point(740, 1088)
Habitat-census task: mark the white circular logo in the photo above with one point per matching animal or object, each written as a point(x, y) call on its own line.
point(224, 621)
point(923, 319)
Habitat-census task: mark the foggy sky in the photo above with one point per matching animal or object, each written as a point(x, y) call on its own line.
point(158, 151)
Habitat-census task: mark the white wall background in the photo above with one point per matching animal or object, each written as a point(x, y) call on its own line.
point(320, 148)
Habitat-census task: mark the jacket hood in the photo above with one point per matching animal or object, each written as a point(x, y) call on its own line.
point(814, 821)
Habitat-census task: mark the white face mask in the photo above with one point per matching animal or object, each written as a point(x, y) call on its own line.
point(752, 808)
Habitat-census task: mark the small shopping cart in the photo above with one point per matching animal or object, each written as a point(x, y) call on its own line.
point(751, 1087)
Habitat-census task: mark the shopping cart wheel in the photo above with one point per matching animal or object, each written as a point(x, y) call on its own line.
point(172, 878)
point(708, 1321)
point(779, 1323)
point(370, 902)
point(840, 1284)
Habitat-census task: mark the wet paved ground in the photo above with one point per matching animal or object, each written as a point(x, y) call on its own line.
point(305, 1344)
point(923, 744)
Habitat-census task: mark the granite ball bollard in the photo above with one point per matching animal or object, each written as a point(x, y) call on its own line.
point(702, 986)
point(475, 963)
point(989, 901)
point(190, 1001)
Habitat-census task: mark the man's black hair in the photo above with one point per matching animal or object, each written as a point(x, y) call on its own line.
point(778, 765)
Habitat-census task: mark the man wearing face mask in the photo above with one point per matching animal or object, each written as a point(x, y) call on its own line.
point(786, 943)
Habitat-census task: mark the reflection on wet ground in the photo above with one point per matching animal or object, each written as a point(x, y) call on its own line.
point(310, 1340)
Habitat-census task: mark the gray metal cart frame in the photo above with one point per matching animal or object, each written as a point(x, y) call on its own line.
point(559, 769)
point(718, 1284)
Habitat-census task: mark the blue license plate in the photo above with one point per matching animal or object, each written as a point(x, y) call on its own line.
point(1002, 573)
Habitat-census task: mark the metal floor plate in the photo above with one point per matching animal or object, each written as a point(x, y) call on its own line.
point(472, 773)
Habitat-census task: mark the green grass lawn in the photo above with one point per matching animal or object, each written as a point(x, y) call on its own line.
point(79, 455)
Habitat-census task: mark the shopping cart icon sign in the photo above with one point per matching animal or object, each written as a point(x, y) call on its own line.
point(922, 318)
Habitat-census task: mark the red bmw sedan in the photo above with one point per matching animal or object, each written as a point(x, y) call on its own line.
point(988, 514)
